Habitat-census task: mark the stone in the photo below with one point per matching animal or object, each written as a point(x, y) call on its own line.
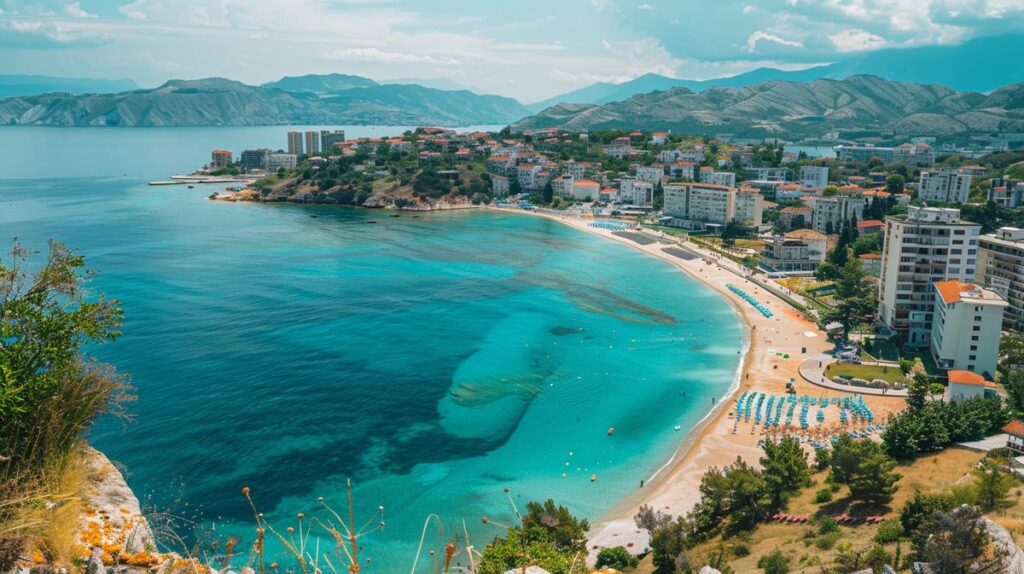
point(709, 570)
point(95, 563)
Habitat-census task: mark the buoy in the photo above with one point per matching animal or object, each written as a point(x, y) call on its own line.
point(593, 478)
point(611, 431)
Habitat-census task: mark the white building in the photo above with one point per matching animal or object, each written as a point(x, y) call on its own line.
point(1001, 269)
point(636, 192)
point(927, 245)
point(944, 186)
point(836, 210)
point(329, 139)
point(694, 205)
point(295, 143)
point(967, 323)
point(799, 250)
point(586, 190)
point(726, 178)
point(499, 185)
point(965, 385)
point(1006, 192)
point(766, 173)
point(652, 173)
point(573, 169)
point(659, 138)
point(814, 176)
point(682, 170)
point(312, 143)
point(279, 160)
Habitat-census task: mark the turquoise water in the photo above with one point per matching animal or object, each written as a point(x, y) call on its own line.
point(435, 360)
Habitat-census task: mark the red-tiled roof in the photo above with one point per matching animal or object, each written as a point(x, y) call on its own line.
point(968, 378)
point(870, 256)
point(1015, 427)
point(869, 223)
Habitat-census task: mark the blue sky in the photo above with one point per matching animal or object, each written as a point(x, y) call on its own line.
point(528, 49)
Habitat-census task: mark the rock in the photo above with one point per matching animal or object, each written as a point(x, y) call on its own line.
point(709, 570)
point(95, 563)
point(1013, 561)
point(41, 569)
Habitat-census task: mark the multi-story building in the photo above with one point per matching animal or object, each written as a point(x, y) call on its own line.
point(1006, 192)
point(797, 251)
point(619, 148)
point(276, 161)
point(312, 143)
point(907, 154)
point(652, 173)
point(682, 170)
point(499, 185)
point(966, 326)
point(815, 176)
point(636, 192)
point(220, 158)
point(1001, 269)
point(574, 169)
point(726, 178)
point(586, 190)
point(328, 139)
point(696, 205)
point(295, 143)
point(766, 173)
point(253, 159)
point(928, 245)
point(795, 217)
point(944, 186)
point(831, 213)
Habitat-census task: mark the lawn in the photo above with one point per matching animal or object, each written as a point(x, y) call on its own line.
point(866, 372)
point(883, 350)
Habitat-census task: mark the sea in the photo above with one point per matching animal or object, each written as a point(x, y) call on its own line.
point(450, 366)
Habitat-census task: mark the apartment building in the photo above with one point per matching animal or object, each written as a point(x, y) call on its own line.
point(295, 143)
point(814, 176)
point(312, 143)
point(652, 173)
point(906, 154)
point(276, 161)
point(682, 170)
point(927, 245)
point(766, 173)
point(573, 169)
point(1001, 269)
point(636, 192)
point(944, 186)
point(695, 205)
point(253, 159)
point(220, 158)
point(725, 178)
point(801, 250)
point(329, 139)
point(499, 185)
point(831, 213)
point(966, 327)
point(1006, 192)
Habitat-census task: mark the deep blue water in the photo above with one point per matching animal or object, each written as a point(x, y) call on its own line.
point(435, 360)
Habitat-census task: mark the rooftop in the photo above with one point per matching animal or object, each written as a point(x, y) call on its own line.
point(806, 234)
point(1015, 427)
point(968, 378)
point(954, 292)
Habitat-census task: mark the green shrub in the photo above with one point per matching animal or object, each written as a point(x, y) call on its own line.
point(740, 550)
point(827, 541)
point(889, 531)
point(618, 558)
point(828, 525)
point(774, 563)
point(822, 496)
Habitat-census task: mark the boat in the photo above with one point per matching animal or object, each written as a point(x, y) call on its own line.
point(191, 187)
point(678, 427)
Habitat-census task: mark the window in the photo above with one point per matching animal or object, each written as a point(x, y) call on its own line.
point(976, 328)
point(958, 232)
point(974, 337)
point(974, 347)
point(970, 367)
point(972, 358)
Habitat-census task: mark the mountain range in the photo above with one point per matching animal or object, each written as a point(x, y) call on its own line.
point(979, 65)
point(24, 85)
point(864, 105)
point(335, 99)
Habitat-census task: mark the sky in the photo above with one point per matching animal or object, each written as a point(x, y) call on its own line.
point(527, 49)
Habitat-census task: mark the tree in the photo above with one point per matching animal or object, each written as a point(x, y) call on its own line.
point(549, 192)
point(991, 486)
point(895, 183)
point(1013, 382)
point(669, 544)
point(864, 467)
point(1011, 353)
point(549, 537)
point(785, 469)
point(855, 295)
point(567, 532)
point(46, 324)
point(514, 187)
point(650, 519)
point(617, 557)
point(920, 507)
point(956, 542)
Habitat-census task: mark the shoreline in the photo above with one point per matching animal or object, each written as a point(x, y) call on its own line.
point(712, 442)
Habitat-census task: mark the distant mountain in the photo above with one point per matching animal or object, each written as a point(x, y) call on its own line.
point(436, 83)
point(221, 102)
point(861, 104)
point(320, 85)
point(23, 85)
point(979, 65)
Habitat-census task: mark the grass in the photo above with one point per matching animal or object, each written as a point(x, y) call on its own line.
point(866, 372)
point(883, 350)
point(803, 542)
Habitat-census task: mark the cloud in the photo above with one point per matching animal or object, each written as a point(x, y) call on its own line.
point(645, 6)
point(376, 55)
point(134, 10)
point(761, 35)
point(857, 41)
point(47, 35)
point(74, 10)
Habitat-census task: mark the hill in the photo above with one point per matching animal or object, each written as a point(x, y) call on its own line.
point(24, 85)
point(979, 65)
point(222, 102)
point(865, 104)
point(320, 85)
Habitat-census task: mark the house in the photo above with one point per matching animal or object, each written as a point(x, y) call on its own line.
point(800, 250)
point(585, 190)
point(871, 263)
point(814, 176)
point(869, 226)
point(659, 138)
point(794, 217)
point(1015, 436)
point(965, 385)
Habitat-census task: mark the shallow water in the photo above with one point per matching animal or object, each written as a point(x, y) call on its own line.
point(435, 360)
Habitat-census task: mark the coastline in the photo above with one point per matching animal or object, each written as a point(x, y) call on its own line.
point(673, 488)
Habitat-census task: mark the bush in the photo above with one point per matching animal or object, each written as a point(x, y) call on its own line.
point(740, 550)
point(828, 525)
point(889, 531)
point(774, 563)
point(822, 496)
point(827, 541)
point(618, 558)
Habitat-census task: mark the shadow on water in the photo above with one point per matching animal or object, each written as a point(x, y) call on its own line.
point(596, 299)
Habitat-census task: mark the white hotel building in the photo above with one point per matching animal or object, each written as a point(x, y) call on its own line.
point(966, 327)
point(926, 246)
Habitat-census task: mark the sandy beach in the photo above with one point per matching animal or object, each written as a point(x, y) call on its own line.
point(674, 488)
